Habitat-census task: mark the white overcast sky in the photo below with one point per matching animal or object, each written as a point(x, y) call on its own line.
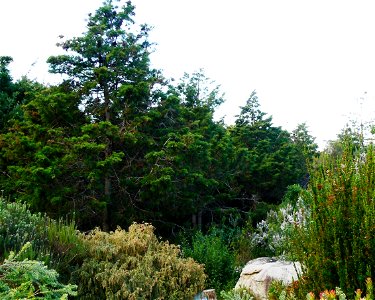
point(309, 61)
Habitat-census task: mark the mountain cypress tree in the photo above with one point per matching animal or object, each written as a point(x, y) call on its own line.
point(6, 91)
point(268, 160)
point(109, 67)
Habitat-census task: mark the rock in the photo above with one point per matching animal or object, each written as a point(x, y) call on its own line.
point(209, 294)
point(206, 295)
point(259, 273)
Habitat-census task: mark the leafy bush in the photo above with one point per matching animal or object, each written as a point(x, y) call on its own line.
point(279, 291)
point(292, 195)
point(30, 279)
point(337, 247)
point(216, 255)
point(136, 265)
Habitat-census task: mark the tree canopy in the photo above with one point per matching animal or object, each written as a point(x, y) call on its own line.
point(116, 142)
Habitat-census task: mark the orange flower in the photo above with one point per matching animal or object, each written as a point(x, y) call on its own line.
point(328, 295)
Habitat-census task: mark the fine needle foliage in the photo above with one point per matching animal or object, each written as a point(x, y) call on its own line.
point(30, 279)
point(337, 247)
point(134, 264)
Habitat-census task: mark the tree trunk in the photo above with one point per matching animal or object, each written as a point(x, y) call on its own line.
point(194, 220)
point(107, 195)
point(200, 220)
point(108, 150)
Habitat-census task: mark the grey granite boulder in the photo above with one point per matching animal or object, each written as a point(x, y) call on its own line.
point(259, 273)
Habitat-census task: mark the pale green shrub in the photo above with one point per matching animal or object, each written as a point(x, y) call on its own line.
point(30, 279)
point(236, 294)
point(19, 226)
point(54, 242)
point(136, 265)
point(271, 236)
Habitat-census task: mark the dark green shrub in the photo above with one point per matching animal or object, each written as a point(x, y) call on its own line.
point(292, 194)
point(259, 212)
point(136, 265)
point(65, 247)
point(216, 255)
point(337, 247)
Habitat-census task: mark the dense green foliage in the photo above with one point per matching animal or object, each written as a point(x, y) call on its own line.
point(115, 142)
point(267, 160)
point(214, 252)
point(54, 242)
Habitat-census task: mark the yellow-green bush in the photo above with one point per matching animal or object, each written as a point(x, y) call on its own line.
point(134, 264)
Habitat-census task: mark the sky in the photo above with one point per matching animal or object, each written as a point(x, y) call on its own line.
point(309, 61)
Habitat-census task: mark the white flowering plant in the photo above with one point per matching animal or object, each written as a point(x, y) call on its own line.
point(271, 235)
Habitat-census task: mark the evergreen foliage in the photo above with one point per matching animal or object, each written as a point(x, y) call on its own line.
point(136, 265)
point(268, 160)
point(115, 142)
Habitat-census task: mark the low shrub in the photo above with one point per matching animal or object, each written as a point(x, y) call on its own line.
point(218, 258)
point(65, 247)
point(134, 264)
point(237, 294)
point(30, 279)
point(19, 226)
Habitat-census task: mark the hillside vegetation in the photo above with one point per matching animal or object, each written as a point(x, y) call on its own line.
point(118, 183)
